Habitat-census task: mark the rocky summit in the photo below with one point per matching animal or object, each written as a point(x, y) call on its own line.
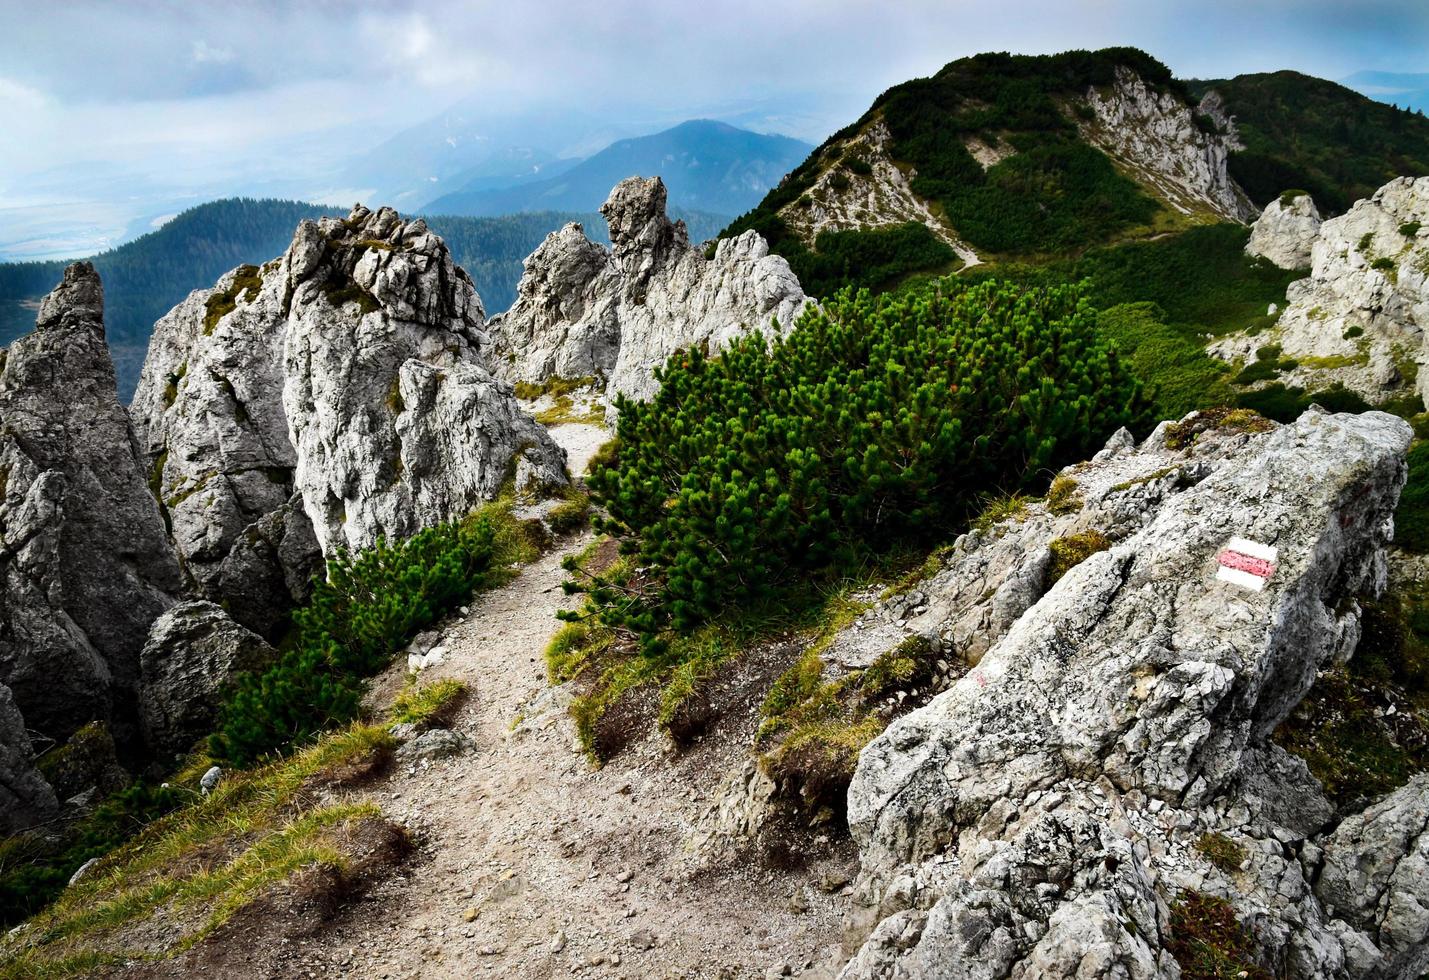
point(616, 316)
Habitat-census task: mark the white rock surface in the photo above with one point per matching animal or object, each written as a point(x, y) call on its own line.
point(1285, 232)
point(345, 398)
point(1036, 818)
point(619, 315)
point(1359, 319)
point(1153, 136)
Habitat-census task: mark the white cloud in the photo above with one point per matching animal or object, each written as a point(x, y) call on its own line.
point(204, 54)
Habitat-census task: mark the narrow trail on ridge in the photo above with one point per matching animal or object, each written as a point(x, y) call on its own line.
point(533, 863)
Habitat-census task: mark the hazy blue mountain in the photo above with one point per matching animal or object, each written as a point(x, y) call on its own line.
point(145, 278)
point(1408, 90)
point(709, 166)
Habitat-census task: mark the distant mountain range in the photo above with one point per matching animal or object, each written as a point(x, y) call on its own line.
point(708, 166)
point(145, 278)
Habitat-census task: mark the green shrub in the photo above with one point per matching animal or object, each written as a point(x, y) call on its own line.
point(1411, 520)
point(34, 868)
point(1352, 332)
point(875, 421)
point(1410, 229)
point(367, 609)
point(1384, 264)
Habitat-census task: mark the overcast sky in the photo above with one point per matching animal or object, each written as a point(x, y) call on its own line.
point(104, 105)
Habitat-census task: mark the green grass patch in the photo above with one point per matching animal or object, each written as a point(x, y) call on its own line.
point(1221, 851)
point(1209, 942)
point(429, 705)
point(199, 863)
point(1070, 551)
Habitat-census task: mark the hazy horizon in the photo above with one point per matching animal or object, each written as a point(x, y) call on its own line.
point(119, 115)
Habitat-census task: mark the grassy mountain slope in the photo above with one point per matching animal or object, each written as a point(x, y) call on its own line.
point(706, 165)
point(1305, 132)
point(145, 278)
point(998, 158)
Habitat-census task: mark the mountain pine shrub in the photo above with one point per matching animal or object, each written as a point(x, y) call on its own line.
point(368, 608)
point(877, 421)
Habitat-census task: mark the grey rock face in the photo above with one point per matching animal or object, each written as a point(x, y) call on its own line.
point(1358, 319)
point(342, 397)
point(618, 315)
point(1286, 231)
point(1036, 818)
point(25, 798)
point(1376, 877)
point(86, 564)
point(193, 650)
point(1155, 137)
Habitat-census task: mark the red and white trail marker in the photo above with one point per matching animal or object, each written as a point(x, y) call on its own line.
point(1246, 563)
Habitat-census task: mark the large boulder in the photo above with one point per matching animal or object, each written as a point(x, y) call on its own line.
point(1041, 817)
point(333, 396)
point(617, 315)
point(25, 797)
point(1286, 231)
point(193, 651)
point(1358, 319)
point(86, 564)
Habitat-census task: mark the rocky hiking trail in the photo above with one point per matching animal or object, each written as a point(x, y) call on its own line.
point(530, 862)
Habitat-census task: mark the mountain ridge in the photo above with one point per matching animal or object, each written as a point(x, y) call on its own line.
point(740, 165)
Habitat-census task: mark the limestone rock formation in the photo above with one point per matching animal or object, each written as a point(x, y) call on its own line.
point(1040, 817)
point(1359, 319)
point(86, 564)
point(209, 413)
point(618, 315)
point(334, 396)
point(1286, 231)
point(842, 200)
point(25, 797)
point(193, 650)
point(1154, 136)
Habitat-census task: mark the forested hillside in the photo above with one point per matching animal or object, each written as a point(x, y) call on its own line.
point(143, 279)
point(1307, 133)
point(998, 156)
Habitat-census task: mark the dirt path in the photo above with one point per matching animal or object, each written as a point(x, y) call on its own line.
point(534, 864)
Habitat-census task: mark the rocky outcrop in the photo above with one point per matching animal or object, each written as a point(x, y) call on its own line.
point(842, 199)
point(618, 315)
point(1286, 230)
point(1153, 135)
point(209, 413)
point(86, 564)
point(25, 798)
point(336, 395)
point(193, 651)
point(1358, 320)
point(1041, 816)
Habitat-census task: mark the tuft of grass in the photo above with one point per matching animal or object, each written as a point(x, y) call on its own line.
point(1209, 942)
point(1221, 851)
point(1181, 434)
point(1410, 229)
point(246, 282)
point(571, 514)
point(429, 705)
point(555, 387)
point(1062, 497)
point(340, 293)
point(1008, 507)
point(1070, 551)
